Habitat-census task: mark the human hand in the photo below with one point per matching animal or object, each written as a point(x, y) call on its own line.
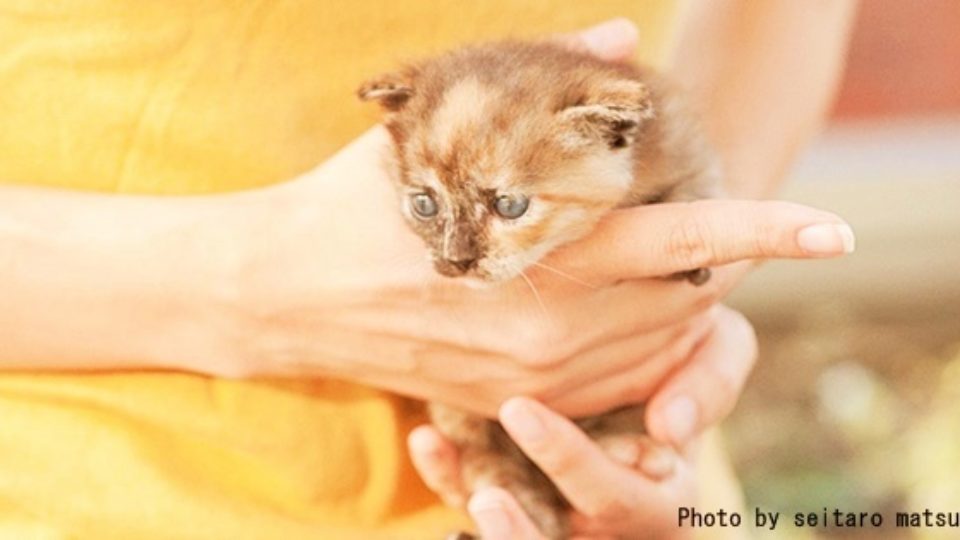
point(627, 486)
point(609, 498)
point(333, 283)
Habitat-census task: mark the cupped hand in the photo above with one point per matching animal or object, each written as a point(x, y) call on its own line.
point(333, 283)
point(611, 495)
point(627, 490)
point(608, 498)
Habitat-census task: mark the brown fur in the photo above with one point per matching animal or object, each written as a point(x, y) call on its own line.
point(578, 137)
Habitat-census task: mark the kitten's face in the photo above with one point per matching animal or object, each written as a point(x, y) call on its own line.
point(492, 182)
point(491, 201)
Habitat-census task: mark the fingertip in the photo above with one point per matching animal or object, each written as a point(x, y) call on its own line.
point(816, 232)
point(614, 39)
point(425, 441)
point(436, 461)
point(827, 239)
point(489, 497)
point(490, 508)
point(674, 421)
point(524, 419)
point(432, 455)
point(620, 27)
point(738, 323)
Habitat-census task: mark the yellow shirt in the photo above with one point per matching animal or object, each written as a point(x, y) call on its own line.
point(192, 96)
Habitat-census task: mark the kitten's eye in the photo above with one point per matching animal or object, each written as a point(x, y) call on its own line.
point(511, 206)
point(423, 205)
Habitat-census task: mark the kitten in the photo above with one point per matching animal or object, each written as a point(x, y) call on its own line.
point(506, 151)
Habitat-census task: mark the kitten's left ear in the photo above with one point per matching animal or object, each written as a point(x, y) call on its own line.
point(611, 112)
point(391, 90)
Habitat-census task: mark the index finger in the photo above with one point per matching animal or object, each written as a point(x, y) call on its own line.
point(663, 239)
point(592, 483)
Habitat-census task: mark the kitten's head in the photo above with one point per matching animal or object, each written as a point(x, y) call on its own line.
point(498, 167)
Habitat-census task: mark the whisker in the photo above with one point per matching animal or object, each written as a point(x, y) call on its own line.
point(561, 273)
point(536, 293)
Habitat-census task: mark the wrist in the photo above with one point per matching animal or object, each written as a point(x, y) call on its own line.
point(314, 255)
point(199, 333)
point(232, 290)
point(275, 282)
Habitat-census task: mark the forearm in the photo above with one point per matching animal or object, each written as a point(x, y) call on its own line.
point(243, 284)
point(91, 281)
point(763, 74)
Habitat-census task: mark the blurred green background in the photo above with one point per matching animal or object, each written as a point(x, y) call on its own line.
point(855, 402)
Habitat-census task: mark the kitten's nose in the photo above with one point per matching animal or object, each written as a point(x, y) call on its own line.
point(463, 264)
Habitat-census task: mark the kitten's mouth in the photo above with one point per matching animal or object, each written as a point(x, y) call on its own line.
point(472, 273)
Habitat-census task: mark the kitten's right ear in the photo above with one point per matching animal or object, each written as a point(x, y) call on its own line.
point(391, 90)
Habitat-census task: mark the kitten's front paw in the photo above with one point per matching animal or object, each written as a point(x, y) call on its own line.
point(640, 452)
point(696, 277)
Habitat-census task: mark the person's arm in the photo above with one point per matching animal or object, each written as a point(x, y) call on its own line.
point(90, 281)
point(320, 277)
point(764, 75)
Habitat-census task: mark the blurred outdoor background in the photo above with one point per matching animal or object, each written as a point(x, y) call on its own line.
point(855, 403)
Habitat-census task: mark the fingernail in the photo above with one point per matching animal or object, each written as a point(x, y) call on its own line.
point(681, 419)
point(522, 420)
point(490, 514)
point(827, 239)
point(608, 35)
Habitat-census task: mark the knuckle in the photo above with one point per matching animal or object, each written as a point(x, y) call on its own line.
point(765, 241)
point(688, 244)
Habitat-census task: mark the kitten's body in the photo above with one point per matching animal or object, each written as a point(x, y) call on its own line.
point(568, 136)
